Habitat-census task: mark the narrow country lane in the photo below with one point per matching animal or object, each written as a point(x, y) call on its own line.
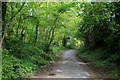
point(69, 66)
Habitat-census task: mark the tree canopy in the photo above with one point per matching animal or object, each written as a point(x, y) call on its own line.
point(44, 28)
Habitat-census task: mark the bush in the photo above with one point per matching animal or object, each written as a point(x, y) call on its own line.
point(20, 58)
point(9, 62)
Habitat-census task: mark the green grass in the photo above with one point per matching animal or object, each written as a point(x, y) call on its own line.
point(101, 58)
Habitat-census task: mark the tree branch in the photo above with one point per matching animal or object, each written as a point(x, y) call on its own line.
point(10, 21)
point(17, 12)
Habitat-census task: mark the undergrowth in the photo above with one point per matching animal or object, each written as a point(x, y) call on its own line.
point(20, 59)
point(102, 58)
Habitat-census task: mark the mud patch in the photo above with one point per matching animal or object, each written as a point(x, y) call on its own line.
point(52, 74)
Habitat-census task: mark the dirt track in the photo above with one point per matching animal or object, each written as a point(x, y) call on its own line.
point(68, 65)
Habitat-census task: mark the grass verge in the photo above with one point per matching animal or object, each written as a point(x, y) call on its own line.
point(102, 59)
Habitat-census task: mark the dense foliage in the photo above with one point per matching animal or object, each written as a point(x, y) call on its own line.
point(35, 33)
point(100, 31)
point(29, 36)
point(100, 25)
point(30, 59)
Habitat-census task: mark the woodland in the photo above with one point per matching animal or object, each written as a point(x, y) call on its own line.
point(35, 33)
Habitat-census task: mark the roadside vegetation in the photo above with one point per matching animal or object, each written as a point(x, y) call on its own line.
point(35, 33)
point(101, 59)
point(29, 60)
point(100, 34)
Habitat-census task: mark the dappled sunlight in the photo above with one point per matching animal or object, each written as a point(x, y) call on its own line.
point(70, 35)
point(69, 67)
point(59, 70)
point(64, 62)
point(83, 63)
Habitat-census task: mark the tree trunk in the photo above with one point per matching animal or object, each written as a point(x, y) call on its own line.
point(0, 23)
point(46, 27)
point(10, 30)
point(4, 12)
point(4, 8)
point(37, 34)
